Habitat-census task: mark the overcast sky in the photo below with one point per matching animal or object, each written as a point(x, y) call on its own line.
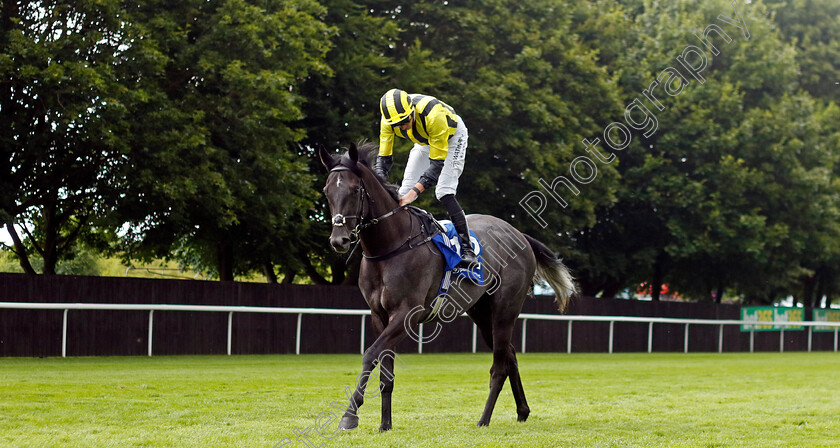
point(4, 236)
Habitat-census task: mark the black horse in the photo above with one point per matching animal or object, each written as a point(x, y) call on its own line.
point(401, 274)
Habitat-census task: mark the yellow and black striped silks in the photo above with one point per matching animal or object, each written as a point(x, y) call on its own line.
point(434, 122)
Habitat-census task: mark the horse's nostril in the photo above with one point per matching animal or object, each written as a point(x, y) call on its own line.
point(340, 244)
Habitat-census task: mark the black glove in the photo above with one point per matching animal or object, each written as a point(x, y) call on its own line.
point(383, 166)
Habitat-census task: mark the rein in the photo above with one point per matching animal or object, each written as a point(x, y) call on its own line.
point(339, 220)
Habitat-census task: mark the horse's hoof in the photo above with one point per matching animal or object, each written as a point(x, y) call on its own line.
point(523, 415)
point(483, 423)
point(385, 427)
point(348, 422)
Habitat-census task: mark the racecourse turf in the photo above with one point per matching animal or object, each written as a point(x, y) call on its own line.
point(620, 400)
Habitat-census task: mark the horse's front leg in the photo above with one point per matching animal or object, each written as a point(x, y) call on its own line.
point(377, 353)
point(386, 386)
point(386, 372)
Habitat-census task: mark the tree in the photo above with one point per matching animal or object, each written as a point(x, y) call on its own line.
point(216, 175)
point(796, 149)
point(342, 107)
point(63, 120)
point(690, 210)
point(527, 90)
point(814, 27)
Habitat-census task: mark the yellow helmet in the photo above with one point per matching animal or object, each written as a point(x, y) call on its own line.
point(395, 106)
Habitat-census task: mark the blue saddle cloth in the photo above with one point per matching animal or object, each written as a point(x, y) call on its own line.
point(450, 246)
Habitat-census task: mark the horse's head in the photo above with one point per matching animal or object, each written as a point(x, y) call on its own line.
point(346, 196)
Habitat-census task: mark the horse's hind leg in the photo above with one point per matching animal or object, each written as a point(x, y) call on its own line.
point(498, 375)
point(496, 327)
point(504, 365)
point(482, 316)
point(499, 371)
point(522, 409)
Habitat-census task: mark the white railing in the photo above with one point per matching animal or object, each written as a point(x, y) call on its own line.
point(669, 320)
point(66, 307)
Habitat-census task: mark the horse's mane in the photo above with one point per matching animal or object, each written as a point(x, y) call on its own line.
point(367, 157)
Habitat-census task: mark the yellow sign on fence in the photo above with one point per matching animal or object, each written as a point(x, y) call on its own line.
point(826, 316)
point(771, 314)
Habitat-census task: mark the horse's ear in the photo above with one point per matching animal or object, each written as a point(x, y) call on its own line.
point(326, 158)
point(353, 153)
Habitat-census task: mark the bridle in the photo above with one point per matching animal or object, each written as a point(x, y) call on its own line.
point(362, 222)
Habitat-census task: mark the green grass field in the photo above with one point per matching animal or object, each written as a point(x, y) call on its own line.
point(621, 400)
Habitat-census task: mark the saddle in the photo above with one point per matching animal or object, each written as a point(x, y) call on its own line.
point(443, 234)
point(427, 221)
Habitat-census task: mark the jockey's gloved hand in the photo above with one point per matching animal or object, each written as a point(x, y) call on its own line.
point(383, 165)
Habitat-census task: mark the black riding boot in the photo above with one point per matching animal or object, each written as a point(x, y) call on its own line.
point(468, 257)
point(459, 220)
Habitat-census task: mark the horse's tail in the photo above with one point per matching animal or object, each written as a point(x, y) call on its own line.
point(552, 270)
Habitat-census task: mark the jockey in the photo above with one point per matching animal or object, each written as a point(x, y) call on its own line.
point(440, 146)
